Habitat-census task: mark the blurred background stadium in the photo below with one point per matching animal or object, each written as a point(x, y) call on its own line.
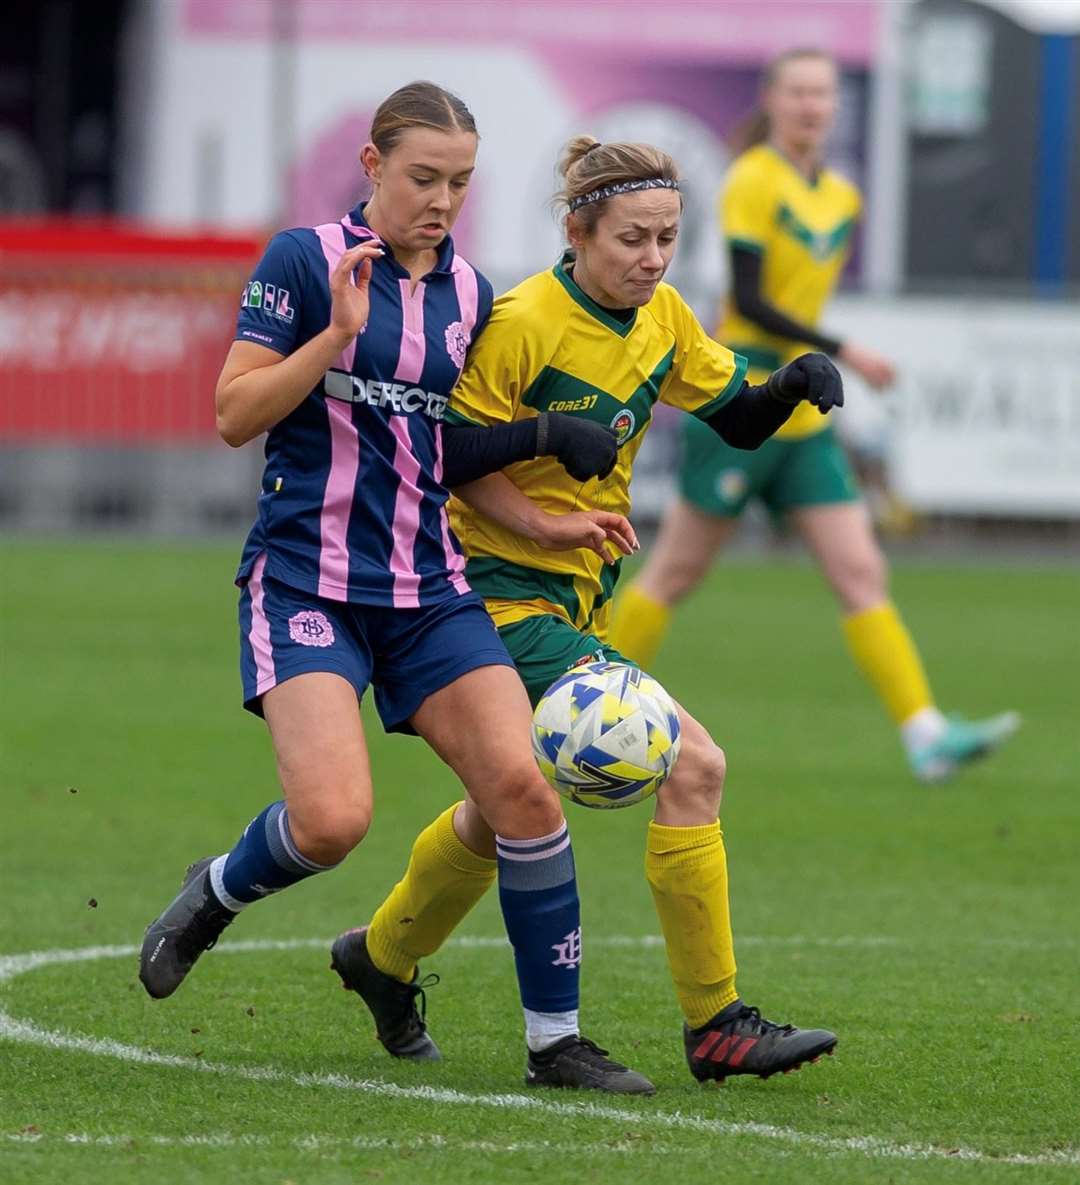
point(149, 147)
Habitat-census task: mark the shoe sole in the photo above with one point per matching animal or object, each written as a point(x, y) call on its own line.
point(812, 1056)
point(428, 1052)
point(539, 1083)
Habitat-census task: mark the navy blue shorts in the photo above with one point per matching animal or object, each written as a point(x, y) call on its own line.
point(406, 654)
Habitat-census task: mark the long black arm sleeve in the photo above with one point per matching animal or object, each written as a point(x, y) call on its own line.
point(584, 448)
point(472, 453)
point(750, 418)
point(746, 293)
point(756, 412)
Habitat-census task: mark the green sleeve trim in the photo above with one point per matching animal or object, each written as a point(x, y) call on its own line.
point(746, 244)
point(759, 357)
point(734, 385)
point(458, 419)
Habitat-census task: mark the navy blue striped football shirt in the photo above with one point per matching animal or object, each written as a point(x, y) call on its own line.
point(352, 505)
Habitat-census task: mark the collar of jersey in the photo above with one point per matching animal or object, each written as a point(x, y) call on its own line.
point(587, 303)
point(809, 182)
point(444, 258)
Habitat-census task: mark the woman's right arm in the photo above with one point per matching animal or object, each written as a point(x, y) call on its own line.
point(747, 297)
point(258, 387)
point(499, 499)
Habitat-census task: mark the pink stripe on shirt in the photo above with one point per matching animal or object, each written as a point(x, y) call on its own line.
point(338, 502)
point(332, 238)
point(467, 293)
point(259, 634)
point(455, 562)
point(406, 517)
point(413, 346)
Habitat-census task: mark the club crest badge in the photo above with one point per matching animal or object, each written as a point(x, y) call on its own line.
point(731, 485)
point(457, 343)
point(623, 425)
point(311, 628)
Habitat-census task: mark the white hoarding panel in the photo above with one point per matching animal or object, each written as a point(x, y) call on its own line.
point(985, 418)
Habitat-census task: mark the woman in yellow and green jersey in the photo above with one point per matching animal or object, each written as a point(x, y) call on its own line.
point(599, 337)
point(788, 222)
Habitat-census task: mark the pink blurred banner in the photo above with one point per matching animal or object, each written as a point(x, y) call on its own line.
point(734, 31)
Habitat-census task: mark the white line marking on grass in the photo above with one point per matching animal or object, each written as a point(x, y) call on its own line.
point(871, 1146)
point(12, 965)
point(318, 1143)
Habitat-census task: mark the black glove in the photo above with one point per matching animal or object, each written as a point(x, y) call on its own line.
point(584, 448)
point(812, 377)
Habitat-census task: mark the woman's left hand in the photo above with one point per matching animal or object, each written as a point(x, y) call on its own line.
point(811, 377)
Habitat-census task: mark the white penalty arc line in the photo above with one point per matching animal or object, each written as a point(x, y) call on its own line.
point(26, 1032)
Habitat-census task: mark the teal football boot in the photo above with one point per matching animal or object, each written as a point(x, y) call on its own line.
point(962, 742)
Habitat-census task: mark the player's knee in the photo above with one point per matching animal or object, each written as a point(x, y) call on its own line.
point(682, 575)
point(862, 582)
point(328, 834)
point(710, 771)
point(696, 786)
point(522, 803)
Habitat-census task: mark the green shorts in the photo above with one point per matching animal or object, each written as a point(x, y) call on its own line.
point(545, 647)
point(784, 474)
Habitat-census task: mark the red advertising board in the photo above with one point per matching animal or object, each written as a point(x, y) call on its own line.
point(114, 334)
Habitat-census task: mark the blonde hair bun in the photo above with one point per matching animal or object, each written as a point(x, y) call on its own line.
point(577, 149)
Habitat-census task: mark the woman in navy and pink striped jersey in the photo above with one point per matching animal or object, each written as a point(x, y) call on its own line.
point(350, 338)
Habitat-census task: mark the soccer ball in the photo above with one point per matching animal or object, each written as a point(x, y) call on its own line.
point(606, 735)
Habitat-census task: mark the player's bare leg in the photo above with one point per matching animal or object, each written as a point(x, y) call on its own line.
point(685, 547)
point(325, 777)
point(842, 540)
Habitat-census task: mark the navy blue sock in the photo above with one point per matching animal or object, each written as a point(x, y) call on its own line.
point(539, 898)
point(264, 860)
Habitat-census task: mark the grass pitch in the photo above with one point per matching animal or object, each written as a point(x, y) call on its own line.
point(937, 930)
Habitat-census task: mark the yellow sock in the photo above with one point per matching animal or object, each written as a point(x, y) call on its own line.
point(687, 872)
point(638, 625)
point(443, 881)
point(885, 652)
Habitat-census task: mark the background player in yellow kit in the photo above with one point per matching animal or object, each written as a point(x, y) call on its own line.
point(598, 336)
point(788, 221)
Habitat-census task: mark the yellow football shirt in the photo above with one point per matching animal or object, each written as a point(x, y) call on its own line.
point(803, 231)
point(549, 347)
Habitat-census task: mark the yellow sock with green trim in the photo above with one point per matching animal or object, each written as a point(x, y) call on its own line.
point(443, 881)
point(638, 626)
point(687, 872)
point(886, 654)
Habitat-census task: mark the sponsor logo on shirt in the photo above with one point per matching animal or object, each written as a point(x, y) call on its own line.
point(399, 398)
point(273, 300)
